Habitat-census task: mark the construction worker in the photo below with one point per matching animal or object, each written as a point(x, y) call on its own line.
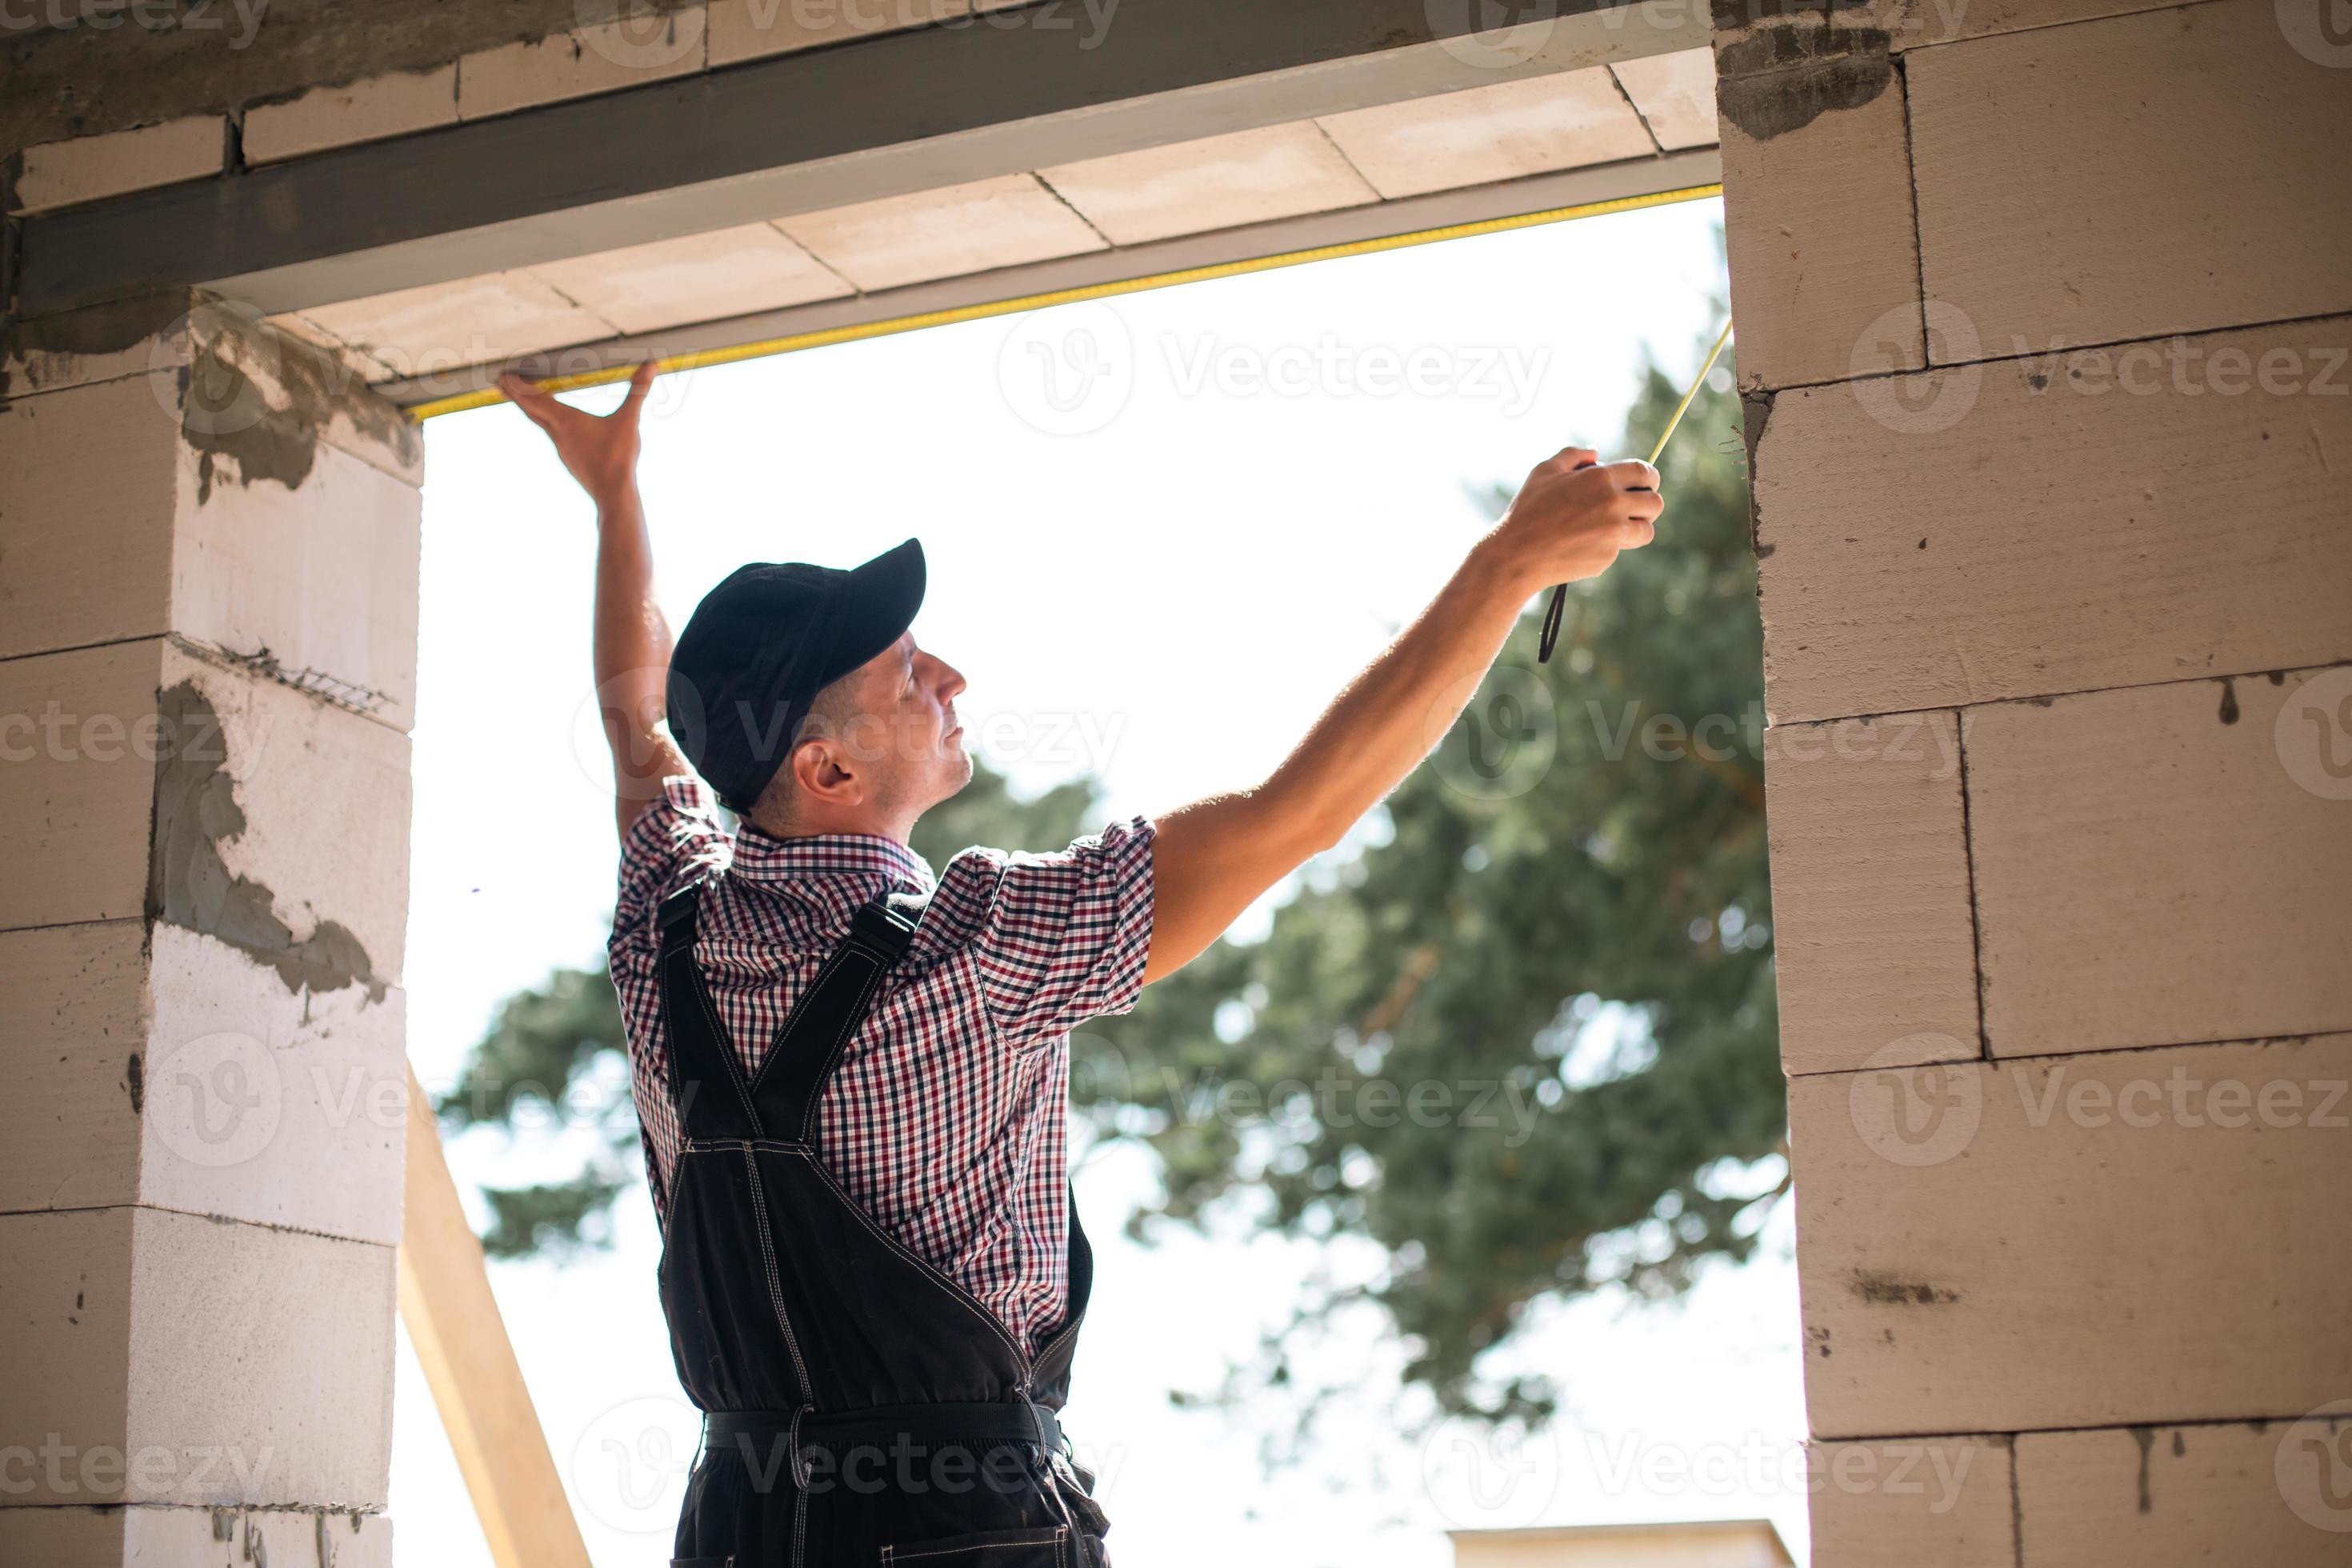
point(851, 1074)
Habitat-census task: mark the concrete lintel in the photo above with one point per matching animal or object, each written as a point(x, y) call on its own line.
point(1001, 92)
point(1543, 193)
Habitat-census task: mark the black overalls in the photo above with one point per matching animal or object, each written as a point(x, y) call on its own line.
point(862, 1408)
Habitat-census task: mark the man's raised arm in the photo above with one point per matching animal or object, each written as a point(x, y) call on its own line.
point(1212, 860)
point(632, 639)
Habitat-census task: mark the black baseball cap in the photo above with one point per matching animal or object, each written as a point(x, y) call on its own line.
point(763, 643)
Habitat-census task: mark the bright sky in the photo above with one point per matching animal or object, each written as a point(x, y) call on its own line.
point(1155, 568)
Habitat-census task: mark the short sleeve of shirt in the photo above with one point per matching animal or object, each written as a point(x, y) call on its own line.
point(1060, 938)
point(677, 837)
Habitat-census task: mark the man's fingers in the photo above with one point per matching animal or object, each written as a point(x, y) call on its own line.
point(1633, 474)
point(535, 404)
point(641, 380)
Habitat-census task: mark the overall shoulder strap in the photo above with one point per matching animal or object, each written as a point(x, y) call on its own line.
point(810, 1045)
point(707, 1088)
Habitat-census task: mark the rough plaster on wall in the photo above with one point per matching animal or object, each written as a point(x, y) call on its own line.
point(1788, 71)
point(191, 885)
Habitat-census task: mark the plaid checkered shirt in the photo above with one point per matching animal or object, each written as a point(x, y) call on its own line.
point(945, 1119)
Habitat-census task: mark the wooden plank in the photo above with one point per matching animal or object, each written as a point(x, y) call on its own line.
point(796, 132)
point(461, 1343)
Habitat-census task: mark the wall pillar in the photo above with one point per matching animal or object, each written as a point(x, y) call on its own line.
point(208, 567)
point(2043, 336)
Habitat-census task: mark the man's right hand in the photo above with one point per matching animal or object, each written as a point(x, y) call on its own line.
point(600, 451)
point(1575, 514)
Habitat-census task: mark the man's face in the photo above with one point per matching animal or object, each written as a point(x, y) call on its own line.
point(908, 733)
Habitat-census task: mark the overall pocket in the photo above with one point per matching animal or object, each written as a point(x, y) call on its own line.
point(1002, 1548)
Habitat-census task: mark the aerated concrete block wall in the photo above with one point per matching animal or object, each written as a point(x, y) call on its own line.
point(2045, 317)
point(208, 558)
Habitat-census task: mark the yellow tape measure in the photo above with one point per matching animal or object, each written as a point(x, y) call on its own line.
point(1557, 609)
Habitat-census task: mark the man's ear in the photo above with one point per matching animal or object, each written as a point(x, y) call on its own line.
point(816, 768)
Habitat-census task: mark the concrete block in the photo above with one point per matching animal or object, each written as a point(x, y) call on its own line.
point(2199, 132)
point(1874, 936)
point(945, 233)
point(1675, 93)
point(243, 784)
point(381, 106)
point(193, 1538)
point(263, 532)
point(169, 1359)
point(1500, 132)
point(2074, 1241)
point(1924, 1502)
point(176, 1071)
point(2152, 1497)
point(88, 484)
point(76, 1059)
point(699, 277)
point(1218, 182)
point(2149, 869)
point(268, 788)
point(474, 321)
point(2047, 525)
point(91, 168)
point(643, 44)
point(749, 29)
point(320, 568)
point(274, 1104)
point(1817, 203)
point(77, 745)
